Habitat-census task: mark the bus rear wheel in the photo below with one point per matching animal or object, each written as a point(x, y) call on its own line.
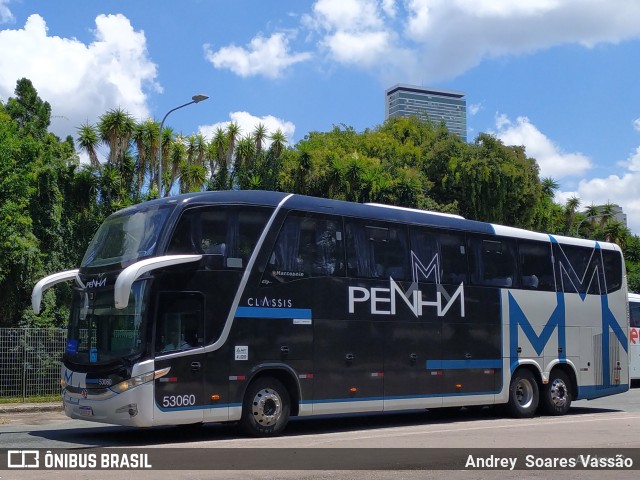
point(556, 395)
point(266, 408)
point(523, 395)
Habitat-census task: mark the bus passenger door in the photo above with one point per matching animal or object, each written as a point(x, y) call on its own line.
point(179, 336)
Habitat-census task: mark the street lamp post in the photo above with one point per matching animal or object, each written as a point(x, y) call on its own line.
point(194, 99)
point(584, 220)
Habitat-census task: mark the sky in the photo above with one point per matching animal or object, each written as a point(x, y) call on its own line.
point(560, 77)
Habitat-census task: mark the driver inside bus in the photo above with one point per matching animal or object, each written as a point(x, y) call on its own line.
point(176, 342)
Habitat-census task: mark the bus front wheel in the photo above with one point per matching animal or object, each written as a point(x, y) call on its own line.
point(523, 395)
point(266, 407)
point(556, 395)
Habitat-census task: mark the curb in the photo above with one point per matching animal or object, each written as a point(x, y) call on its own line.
point(29, 408)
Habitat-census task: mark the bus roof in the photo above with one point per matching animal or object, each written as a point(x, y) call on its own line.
point(369, 211)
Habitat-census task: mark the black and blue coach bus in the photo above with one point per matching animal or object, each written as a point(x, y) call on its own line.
point(257, 306)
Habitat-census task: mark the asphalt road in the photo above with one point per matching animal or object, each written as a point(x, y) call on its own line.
point(611, 422)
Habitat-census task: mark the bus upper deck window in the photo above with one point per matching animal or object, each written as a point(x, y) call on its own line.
point(225, 235)
point(308, 245)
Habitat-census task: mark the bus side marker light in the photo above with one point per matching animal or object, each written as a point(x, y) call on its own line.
point(353, 390)
point(215, 397)
point(458, 385)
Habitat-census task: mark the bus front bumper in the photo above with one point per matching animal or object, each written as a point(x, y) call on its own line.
point(131, 408)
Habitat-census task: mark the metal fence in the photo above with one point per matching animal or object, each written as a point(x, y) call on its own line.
point(30, 361)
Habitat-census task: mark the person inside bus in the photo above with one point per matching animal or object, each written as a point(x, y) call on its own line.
point(176, 342)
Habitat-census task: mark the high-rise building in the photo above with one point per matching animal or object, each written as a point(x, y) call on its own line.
point(431, 104)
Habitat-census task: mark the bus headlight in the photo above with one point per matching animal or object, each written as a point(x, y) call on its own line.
point(139, 380)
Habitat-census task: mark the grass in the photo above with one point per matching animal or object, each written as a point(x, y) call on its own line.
point(34, 399)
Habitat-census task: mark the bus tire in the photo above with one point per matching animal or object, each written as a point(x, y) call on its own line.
point(266, 408)
point(523, 394)
point(557, 394)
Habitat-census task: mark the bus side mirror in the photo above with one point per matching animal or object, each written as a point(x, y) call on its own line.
point(48, 282)
point(122, 287)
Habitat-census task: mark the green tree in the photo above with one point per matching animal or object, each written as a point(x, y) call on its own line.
point(31, 114)
point(37, 209)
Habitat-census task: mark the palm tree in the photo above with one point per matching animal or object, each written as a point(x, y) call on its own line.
point(259, 136)
point(606, 213)
point(616, 232)
point(88, 141)
point(116, 128)
point(233, 131)
point(245, 153)
point(549, 187)
point(166, 146)
point(192, 177)
point(278, 143)
point(216, 155)
point(177, 158)
point(245, 156)
point(145, 137)
point(192, 169)
point(591, 213)
point(570, 212)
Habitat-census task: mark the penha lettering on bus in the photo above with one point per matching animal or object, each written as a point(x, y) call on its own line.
point(383, 301)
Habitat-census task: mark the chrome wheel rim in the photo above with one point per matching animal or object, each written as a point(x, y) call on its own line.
point(558, 391)
point(266, 407)
point(524, 393)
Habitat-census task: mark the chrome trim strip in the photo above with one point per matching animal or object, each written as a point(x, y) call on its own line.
point(245, 278)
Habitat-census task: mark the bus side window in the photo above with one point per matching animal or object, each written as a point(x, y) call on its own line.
point(226, 235)
point(425, 259)
point(180, 323)
point(634, 314)
point(453, 258)
point(183, 238)
point(612, 269)
point(308, 245)
point(536, 267)
point(377, 250)
point(441, 256)
point(493, 262)
point(579, 269)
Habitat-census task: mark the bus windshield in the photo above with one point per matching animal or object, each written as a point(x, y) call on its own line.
point(126, 237)
point(100, 333)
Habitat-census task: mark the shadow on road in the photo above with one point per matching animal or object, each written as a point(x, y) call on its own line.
point(117, 436)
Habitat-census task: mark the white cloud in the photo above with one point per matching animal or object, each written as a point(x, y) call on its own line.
point(474, 108)
point(269, 57)
point(432, 41)
point(552, 160)
point(81, 82)
point(364, 48)
point(5, 14)
point(355, 32)
point(248, 122)
point(636, 124)
point(436, 40)
point(623, 190)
